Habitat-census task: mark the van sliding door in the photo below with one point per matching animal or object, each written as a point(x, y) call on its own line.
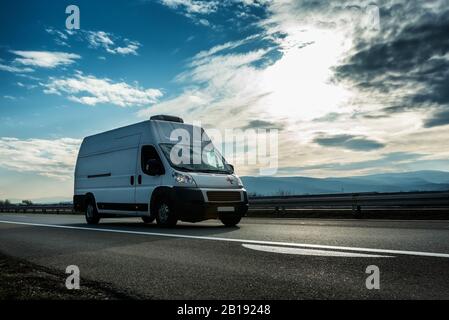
point(117, 193)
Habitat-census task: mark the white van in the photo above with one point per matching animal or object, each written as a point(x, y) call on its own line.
point(130, 172)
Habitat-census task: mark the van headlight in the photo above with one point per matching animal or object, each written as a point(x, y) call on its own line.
point(183, 178)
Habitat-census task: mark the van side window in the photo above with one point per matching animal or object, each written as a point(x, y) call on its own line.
point(149, 153)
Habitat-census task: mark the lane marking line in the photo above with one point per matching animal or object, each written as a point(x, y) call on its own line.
point(311, 252)
point(274, 243)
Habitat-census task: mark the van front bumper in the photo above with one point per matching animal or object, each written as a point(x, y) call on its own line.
point(192, 205)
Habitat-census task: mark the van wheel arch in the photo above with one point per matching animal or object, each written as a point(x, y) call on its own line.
point(159, 193)
point(162, 207)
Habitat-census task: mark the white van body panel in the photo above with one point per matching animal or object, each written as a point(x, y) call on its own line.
point(113, 154)
point(117, 166)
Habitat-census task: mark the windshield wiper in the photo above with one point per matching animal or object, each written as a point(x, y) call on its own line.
point(184, 169)
point(213, 171)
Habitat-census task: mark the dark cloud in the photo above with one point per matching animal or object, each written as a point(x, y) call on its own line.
point(261, 124)
point(350, 142)
point(330, 117)
point(395, 159)
point(408, 62)
point(440, 118)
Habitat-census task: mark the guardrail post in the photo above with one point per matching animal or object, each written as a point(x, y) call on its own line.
point(356, 209)
point(276, 211)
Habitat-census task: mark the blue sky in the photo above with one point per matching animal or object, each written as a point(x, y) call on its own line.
point(349, 97)
point(167, 39)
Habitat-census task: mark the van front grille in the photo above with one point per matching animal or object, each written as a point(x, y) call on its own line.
point(224, 196)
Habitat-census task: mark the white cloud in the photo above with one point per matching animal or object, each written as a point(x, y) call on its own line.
point(222, 47)
point(99, 38)
point(205, 7)
point(90, 90)
point(204, 22)
point(51, 158)
point(130, 48)
point(256, 3)
point(192, 100)
point(108, 41)
point(105, 40)
point(192, 6)
point(14, 69)
point(196, 10)
point(45, 59)
point(60, 36)
point(225, 94)
point(28, 86)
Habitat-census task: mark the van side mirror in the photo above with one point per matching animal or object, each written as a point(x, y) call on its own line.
point(232, 168)
point(154, 168)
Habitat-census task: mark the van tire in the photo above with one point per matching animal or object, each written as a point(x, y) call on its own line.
point(91, 213)
point(230, 221)
point(148, 219)
point(165, 216)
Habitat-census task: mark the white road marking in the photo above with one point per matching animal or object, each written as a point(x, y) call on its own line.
point(311, 252)
point(274, 243)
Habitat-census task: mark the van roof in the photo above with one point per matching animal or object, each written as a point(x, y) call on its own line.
point(154, 131)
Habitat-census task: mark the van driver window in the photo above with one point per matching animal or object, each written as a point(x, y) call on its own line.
point(149, 153)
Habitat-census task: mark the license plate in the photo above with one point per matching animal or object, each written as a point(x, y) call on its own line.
point(226, 209)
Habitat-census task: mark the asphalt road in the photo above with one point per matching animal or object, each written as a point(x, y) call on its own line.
point(259, 259)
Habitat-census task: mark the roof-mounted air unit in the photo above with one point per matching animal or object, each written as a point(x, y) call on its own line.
point(167, 118)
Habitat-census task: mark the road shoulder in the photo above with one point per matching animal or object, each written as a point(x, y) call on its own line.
point(23, 280)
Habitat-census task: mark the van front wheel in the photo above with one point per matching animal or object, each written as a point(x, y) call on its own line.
point(230, 221)
point(91, 213)
point(164, 214)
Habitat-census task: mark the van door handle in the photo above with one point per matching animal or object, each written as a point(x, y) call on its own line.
point(132, 180)
point(139, 179)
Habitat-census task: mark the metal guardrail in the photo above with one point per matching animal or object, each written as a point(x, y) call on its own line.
point(61, 208)
point(354, 201)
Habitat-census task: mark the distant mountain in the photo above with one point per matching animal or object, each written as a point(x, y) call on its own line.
point(49, 200)
point(388, 182)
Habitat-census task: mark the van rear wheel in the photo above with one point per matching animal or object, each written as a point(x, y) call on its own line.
point(91, 212)
point(230, 221)
point(164, 214)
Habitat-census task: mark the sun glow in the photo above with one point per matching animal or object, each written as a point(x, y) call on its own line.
point(300, 83)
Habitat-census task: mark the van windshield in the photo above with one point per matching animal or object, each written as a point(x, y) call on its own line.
point(195, 159)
